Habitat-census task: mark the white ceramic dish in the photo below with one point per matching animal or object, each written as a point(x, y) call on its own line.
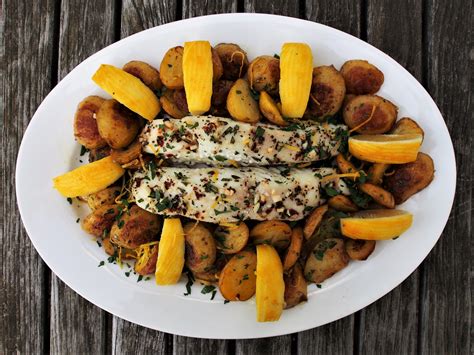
point(48, 149)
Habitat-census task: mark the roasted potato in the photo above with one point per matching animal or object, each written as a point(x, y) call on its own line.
point(276, 233)
point(379, 195)
point(327, 92)
point(270, 110)
point(294, 250)
point(146, 259)
point(217, 68)
point(344, 165)
point(327, 258)
point(237, 281)
point(408, 179)
point(200, 247)
point(85, 123)
point(314, 220)
point(342, 203)
point(220, 90)
point(128, 154)
point(361, 77)
point(359, 249)
point(264, 74)
point(112, 250)
point(100, 220)
point(170, 106)
point(117, 124)
point(99, 153)
point(296, 288)
point(240, 103)
point(232, 237)
point(376, 172)
point(406, 125)
point(206, 277)
point(103, 197)
point(381, 112)
point(135, 227)
point(171, 68)
point(234, 60)
point(145, 72)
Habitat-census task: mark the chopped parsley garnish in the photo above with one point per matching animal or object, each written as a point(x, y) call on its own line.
point(220, 158)
point(208, 289)
point(259, 132)
point(192, 126)
point(255, 95)
point(140, 277)
point(276, 56)
point(84, 150)
point(209, 187)
point(189, 283)
point(163, 204)
point(101, 264)
point(330, 191)
point(69, 200)
point(213, 294)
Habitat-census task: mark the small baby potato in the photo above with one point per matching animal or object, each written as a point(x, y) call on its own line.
point(125, 156)
point(171, 68)
point(146, 260)
point(275, 233)
point(145, 72)
point(112, 250)
point(100, 220)
point(85, 123)
point(358, 249)
point(382, 114)
point(264, 74)
point(376, 173)
point(406, 125)
point(237, 281)
point(361, 77)
point(117, 124)
point(170, 106)
point(270, 110)
point(379, 195)
point(342, 203)
point(327, 92)
point(294, 250)
point(206, 277)
point(220, 90)
point(234, 60)
point(231, 238)
point(217, 68)
point(327, 258)
point(296, 288)
point(200, 247)
point(103, 197)
point(99, 153)
point(179, 97)
point(135, 227)
point(314, 220)
point(408, 179)
point(344, 165)
point(240, 103)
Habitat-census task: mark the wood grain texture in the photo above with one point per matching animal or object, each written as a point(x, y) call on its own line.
point(446, 284)
point(23, 289)
point(343, 15)
point(276, 7)
point(194, 8)
point(78, 326)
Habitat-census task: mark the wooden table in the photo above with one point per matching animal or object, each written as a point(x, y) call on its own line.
point(430, 312)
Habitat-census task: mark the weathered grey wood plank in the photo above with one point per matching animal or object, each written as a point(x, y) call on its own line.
point(343, 15)
point(77, 326)
point(277, 7)
point(446, 283)
point(23, 280)
point(194, 8)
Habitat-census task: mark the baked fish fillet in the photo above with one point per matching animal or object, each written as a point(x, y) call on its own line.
point(218, 141)
point(229, 194)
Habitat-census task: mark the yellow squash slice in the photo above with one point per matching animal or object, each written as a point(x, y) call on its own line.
point(89, 178)
point(270, 285)
point(128, 90)
point(296, 75)
point(170, 263)
point(198, 73)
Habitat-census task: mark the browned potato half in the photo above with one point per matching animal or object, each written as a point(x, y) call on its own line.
point(344, 165)
point(408, 179)
point(327, 258)
point(270, 110)
point(200, 247)
point(146, 260)
point(379, 195)
point(99, 153)
point(296, 288)
point(342, 203)
point(220, 90)
point(240, 103)
point(294, 250)
point(361, 77)
point(103, 197)
point(276, 233)
point(171, 68)
point(376, 172)
point(145, 72)
point(112, 250)
point(314, 220)
point(179, 97)
point(135, 227)
point(232, 237)
point(237, 281)
point(359, 249)
point(327, 92)
point(381, 112)
point(234, 60)
point(100, 220)
point(117, 124)
point(264, 74)
point(85, 123)
point(217, 68)
point(126, 155)
point(170, 106)
point(406, 125)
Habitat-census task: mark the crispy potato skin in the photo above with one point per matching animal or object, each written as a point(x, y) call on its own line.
point(342, 203)
point(145, 72)
point(234, 60)
point(135, 227)
point(406, 125)
point(378, 194)
point(264, 74)
point(85, 123)
point(270, 109)
point(200, 247)
point(100, 220)
point(241, 105)
point(237, 281)
point(276, 233)
point(217, 68)
point(408, 179)
point(294, 250)
point(171, 68)
point(376, 172)
point(147, 265)
point(170, 105)
point(296, 288)
point(126, 155)
point(361, 77)
point(104, 197)
point(314, 220)
point(232, 239)
point(359, 109)
point(220, 90)
point(359, 249)
point(327, 258)
point(344, 165)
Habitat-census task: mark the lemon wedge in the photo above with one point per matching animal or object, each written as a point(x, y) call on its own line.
point(386, 148)
point(376, 224)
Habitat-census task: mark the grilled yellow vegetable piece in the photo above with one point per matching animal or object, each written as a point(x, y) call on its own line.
point(198, 73)
point(128, 90)
point(270, 285)
point(89, 178)
point(296, 74)
point(169, 265)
